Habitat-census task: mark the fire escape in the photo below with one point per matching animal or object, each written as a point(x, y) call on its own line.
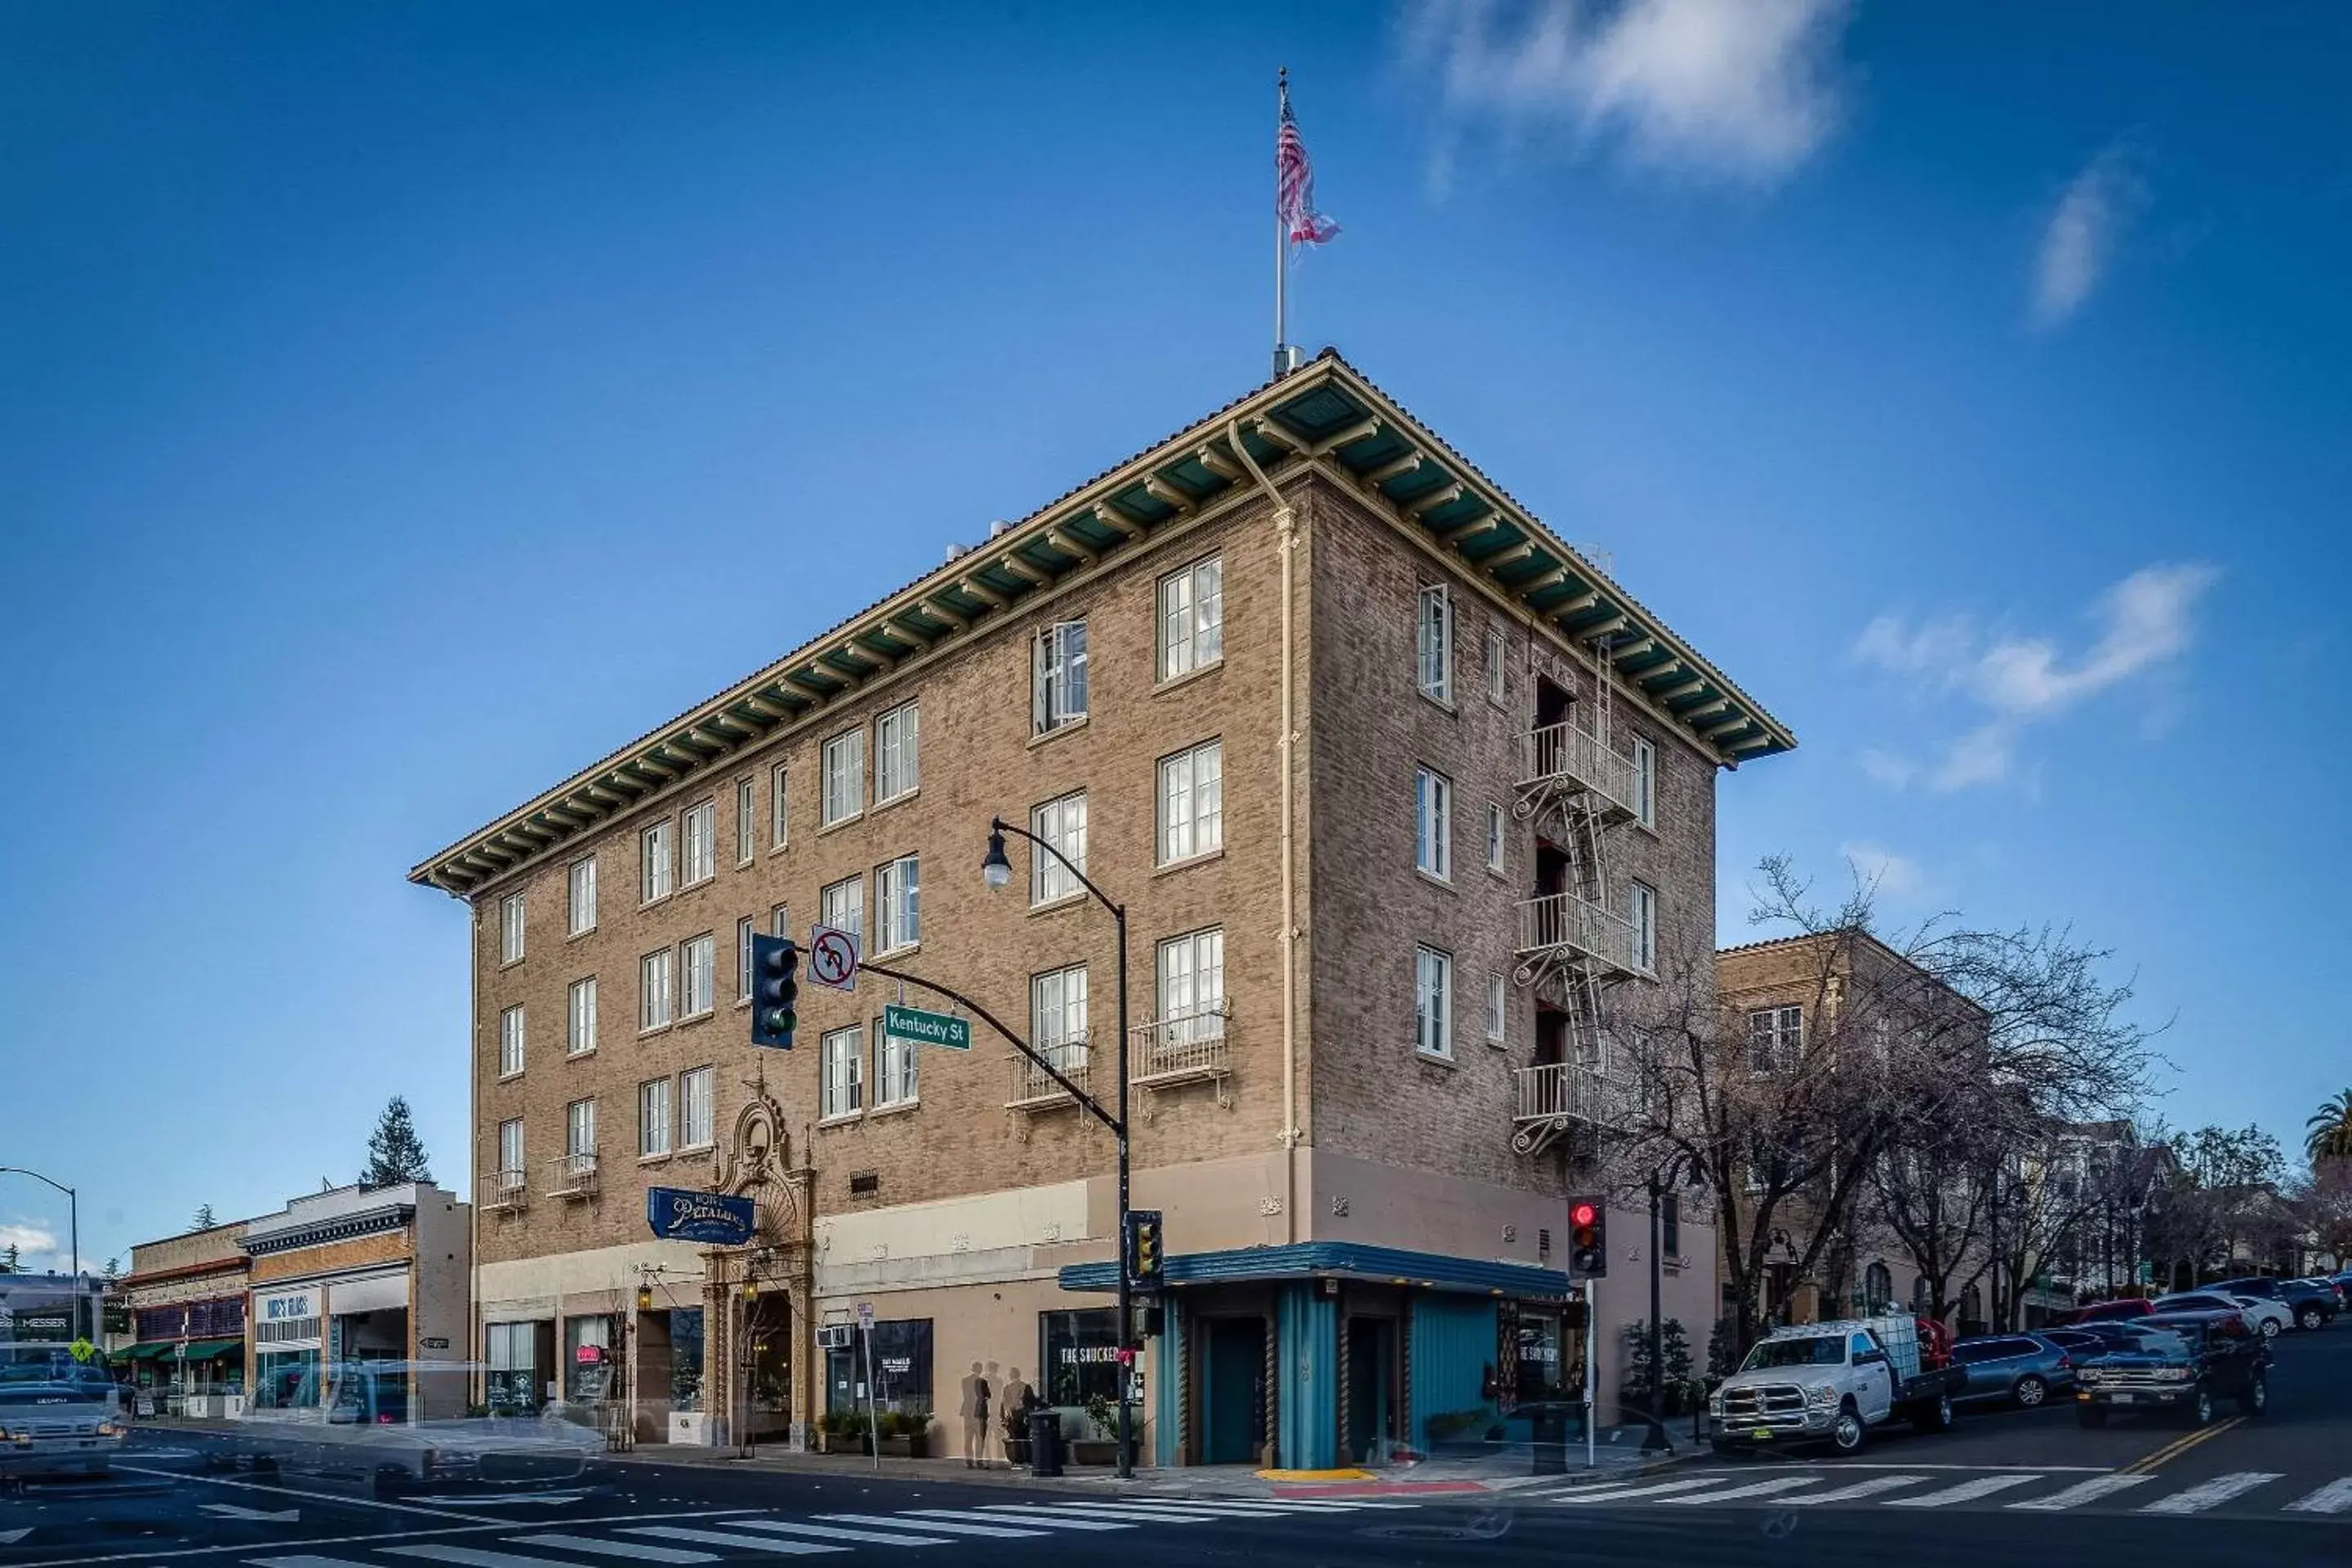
point(1573, 944)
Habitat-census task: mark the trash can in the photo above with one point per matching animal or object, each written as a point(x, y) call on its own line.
point(1549, 1451)
point(1044, 1442)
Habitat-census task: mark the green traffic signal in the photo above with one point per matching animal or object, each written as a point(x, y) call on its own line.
point(775, 986)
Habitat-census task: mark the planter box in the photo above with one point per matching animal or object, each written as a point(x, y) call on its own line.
point(1094, 1451)
point(844, 1443)
point(910, 1446)
point(1016, 1451)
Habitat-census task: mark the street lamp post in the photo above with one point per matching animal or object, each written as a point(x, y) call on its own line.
point(997, 871)
point(73, 1224)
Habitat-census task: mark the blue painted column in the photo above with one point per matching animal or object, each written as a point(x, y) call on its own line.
point(1168, 1385)
point(1308, 1324)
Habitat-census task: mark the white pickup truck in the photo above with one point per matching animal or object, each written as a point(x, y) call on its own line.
point(1831, 1383)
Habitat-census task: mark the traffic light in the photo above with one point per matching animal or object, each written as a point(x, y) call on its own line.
point(1588, 1238)
point(1145, 1258)
point(775, 990)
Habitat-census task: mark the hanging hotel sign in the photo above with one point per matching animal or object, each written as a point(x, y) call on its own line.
point(714, 1219)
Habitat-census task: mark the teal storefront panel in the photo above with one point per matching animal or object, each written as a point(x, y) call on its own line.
point(1453, 1354)
point(1168, 1380)
point(1309, 1322)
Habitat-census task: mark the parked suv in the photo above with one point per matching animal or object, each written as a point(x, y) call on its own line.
point(2122, 1309)
point(2314, 1306)
point(2182, 1362)
point(2025, 1369)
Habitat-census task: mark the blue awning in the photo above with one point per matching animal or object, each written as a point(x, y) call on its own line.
point(1338, 1260)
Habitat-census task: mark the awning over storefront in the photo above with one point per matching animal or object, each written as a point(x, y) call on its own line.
point(207, 1349)
point(1338, 1261)
point(148, 1352)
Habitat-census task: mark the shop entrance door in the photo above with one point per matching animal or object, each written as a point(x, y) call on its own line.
point(1371, 1361)
point(1233, 1390)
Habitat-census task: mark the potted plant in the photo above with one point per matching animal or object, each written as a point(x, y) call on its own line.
point(903, 1435)
point(1101, 1448)
point(1016, 1436)
point(843, 1432)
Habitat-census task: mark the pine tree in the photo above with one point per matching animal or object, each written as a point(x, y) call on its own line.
point(9, 1260)
point(203, 1220)
point(395, 1153)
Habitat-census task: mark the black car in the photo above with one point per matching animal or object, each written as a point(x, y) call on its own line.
point(2314, 1305)
point(2083, 1341)
point(2178, 1362)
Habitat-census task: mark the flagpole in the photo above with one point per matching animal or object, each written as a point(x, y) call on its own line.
point(1281, 263)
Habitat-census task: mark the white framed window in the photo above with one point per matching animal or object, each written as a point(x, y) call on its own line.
point(1495, 692)
point(694, 1108)
point(747, 820)
point(1190, 976)
point(580, 1128)
point(745, 929)
point(1191, 617)
point(845, 777)
point(511, 910)
point(780, 921)
point(1495, 839)
point(580, 897)
point(841, 1072)
point(897, 904)
point(1061, 823)
point(1646, 783)
point(1433, 644)
point(701, 843)
point(1776, 1039)
point(511, 1153)
point(1433, 824)
point(842, 905)
point(1192, 803)
point(1057, 694)
point(656, 1003)
point(702, 964)
point(654, 861)
point(1057, 1016)
point(1433, 1002)
point(580, 1018)
point(897, 764)
point(1497, 1015)
point(1641, 910)
point(653, 1118)
point(894, 1069)
point(780, 831)
point(510, 1041)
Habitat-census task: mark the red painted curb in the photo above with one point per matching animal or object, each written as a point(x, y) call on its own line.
point(1375, 1488)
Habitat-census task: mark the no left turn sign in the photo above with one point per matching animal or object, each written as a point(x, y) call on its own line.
point(833, 958)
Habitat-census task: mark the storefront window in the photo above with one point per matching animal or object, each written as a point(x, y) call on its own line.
point(902, 1369)
point(285, 1380)
point(1079, 1352)
point(1543, 1358)
point(587, 1358)
point(685, 1358)
point(512, 1386)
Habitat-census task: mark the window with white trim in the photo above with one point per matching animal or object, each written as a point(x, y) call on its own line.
point(654, 861)
point(1433, 824)
point(840, 1070)
point(1058, 676)
point(1494, 655)
point(1498, 1014)
point(580, 1017)
point(1433, 644)
point(1495, 839)
point(1641, 910)
point(780, 921)
point(745, 929)
point(1192, 803)
point(1433, 1002)
point(1776, 1039)
point(845, 777)
point(656, 973)
point(898, 905)
point(1191, 617)
point(898, 766)
point(1190, 976)
point(1057, 1016)
point(842, 905)
point(694, 1108)
point(510, 909)
point(700, 954)
point(511, 1153)
point(747, 820)
point(1646, 783)
point(1062, 823)
point(580, 1128)
point(653, 1118)
point(894, 1070)
point(510, 1041)
point(701, 843)
point(779, 795)
point(580, 900)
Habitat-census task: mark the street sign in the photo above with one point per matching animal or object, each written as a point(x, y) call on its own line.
point(925, 1028)
point(865, 1315)
point(833, 958)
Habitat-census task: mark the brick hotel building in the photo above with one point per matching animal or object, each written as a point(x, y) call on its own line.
point(1400, 794)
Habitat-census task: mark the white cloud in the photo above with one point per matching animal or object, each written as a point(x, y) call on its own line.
point(1738, 92)
point(2080, 239)
point(1884, 871)
point(2146, 621)
point(36, 1246)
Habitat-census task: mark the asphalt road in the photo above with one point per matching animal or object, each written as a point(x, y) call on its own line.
point(2029, 1485)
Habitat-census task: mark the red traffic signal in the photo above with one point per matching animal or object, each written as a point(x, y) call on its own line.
point(1583, 1213)
point(1588, 1238)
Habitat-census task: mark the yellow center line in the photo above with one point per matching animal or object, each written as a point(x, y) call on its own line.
point(2178, 1446)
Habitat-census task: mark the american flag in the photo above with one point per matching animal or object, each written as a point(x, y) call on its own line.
point(1294, 182)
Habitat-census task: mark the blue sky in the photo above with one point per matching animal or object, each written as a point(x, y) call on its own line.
point(405, 403)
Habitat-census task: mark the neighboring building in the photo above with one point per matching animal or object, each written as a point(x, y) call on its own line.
point(359, 1274)
point(185, 1296)
point(1398, 790)
point(50, 1320)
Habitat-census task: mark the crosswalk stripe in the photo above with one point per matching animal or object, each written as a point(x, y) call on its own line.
point(1870, 1487)
point(728, 1538)
point(1028, 1514)
point(2220, 1490)
point(1228, 1509)
point(470, 1556)
point(835, 1533)
point(1658, 1489)
point(1128, 1510)
point(1342, 1505)
point(304, 1562)
point(2333, 1498)
point(636, 1550)
point(1967, 1491)
point(942, 1526)
point(2082, 1492)
point(1753, 1488)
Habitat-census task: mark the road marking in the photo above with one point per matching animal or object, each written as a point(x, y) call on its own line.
point(470, 1556)
point(2220, 1490)
point(1786, 1461)
point(991, 1527)
point(1128, 1512)
point(301, 1562)
point(230, 1511)
point(642, 1552)
point(314, 1497)
point(1753, 1488)
point(1870, 1487)
point(495, 1499)
point(485, 1527)
point(728, 1538)
point(2178, 1446)
point(1967, 1491)
point(835, 1532)
point(2333, 1498)
point(1659, 1489)
point(1214, 1509)
point(2082, 1492)
point(1028, 1513)
point(10, 1537)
